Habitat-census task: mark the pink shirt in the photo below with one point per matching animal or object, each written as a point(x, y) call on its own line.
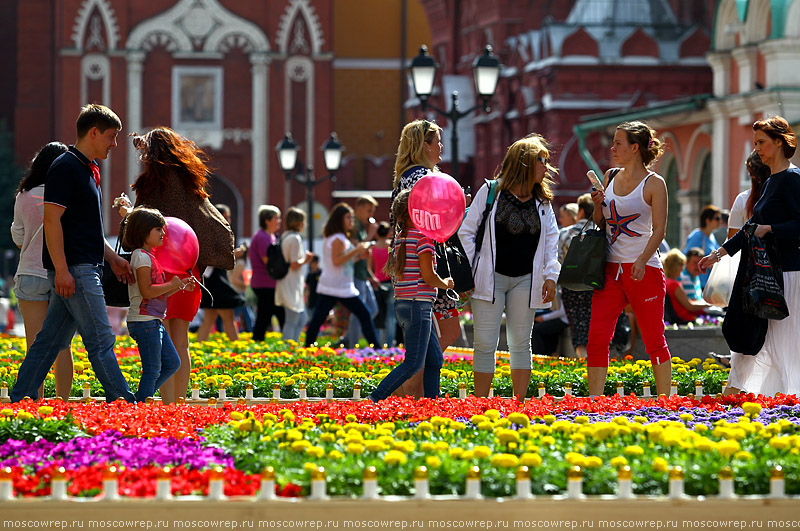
point(379, 259)
point(259, 243)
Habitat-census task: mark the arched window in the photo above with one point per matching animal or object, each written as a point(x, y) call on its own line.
point(704, 190)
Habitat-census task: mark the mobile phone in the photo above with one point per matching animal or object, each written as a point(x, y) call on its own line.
point(597, 184)
point(467, 190)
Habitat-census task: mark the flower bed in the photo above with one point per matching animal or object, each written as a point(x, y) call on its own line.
point(235, 365)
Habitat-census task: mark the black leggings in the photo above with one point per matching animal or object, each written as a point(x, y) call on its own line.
point(265, 309)
point(324, 305)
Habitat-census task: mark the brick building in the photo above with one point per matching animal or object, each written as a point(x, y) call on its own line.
point(233, 76)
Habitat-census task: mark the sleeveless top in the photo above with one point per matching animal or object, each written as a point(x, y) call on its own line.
point(629, 224)
point(336, 281)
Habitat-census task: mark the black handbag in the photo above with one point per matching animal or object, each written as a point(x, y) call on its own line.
point(763, 281)
point(451, 261)
point(114, 291)
point(584, 266)
point(743, 332)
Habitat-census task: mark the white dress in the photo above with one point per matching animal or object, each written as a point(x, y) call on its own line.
point(289, 289)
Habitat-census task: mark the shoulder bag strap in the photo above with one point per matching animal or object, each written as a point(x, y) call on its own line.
point(490, 197)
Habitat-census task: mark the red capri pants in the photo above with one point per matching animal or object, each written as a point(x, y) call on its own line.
point(645, 296)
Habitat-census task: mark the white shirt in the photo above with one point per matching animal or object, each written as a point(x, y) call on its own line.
point(289, 289)
point(738, 216)
point(336, 281)
point(27, 232)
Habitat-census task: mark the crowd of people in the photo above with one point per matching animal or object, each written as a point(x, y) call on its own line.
point(386, 276)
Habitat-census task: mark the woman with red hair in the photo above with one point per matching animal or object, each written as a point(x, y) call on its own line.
point(173, 181)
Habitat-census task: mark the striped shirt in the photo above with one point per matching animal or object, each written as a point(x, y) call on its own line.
point(411, 285)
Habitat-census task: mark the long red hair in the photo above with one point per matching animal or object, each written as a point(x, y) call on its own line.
point(163, 151)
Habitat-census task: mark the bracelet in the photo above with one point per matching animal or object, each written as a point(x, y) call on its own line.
point(717, 254)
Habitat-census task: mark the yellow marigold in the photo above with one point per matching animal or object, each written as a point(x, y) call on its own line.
point(481, 452)
point(700, 428)
point(549, 419)
point(315, 451)
point(686, 417)
point(45, 411)
point(455, 452)
point(289, 382)
point(492, 414)
point(592, 461)
point(618, 461)
point(375, 446)
point(237, 415)
point(778, 443)
point(355, 448)
point(294, 435)
point(506, 436)
point(427, 447)
point(728, 447)
point(743, 455)
point(404, 446)
point(211, 381)
point(485, 425)
point(634, 449)
point(6, 412)
point(310, 467)
point(441, 446)
point(705, 445)
point(574, 459)
point(530, 459)
point(520, 419)
point(548, 440)
point(581, 419)
point(300, 446)
point(505, 461)
point(335, 455)
point(433, 461)
point(23, 415)
point(751, 408)
point(394, 457)
point(578, 437)
point(660, 464)
point(327, 437)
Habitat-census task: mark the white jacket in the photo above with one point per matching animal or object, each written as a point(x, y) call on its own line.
point(545, 261)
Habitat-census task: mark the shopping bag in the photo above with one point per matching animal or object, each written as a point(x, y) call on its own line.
point(720, 282)
point(763, 287)
point(584, 266)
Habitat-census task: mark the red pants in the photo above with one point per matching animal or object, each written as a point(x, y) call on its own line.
point(645, 296)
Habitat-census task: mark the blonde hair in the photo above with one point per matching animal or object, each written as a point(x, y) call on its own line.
point(519, 167)
point(673, 262)
point(411, 150)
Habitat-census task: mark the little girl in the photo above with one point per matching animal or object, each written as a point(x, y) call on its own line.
point(415, 281)
point(144, 229)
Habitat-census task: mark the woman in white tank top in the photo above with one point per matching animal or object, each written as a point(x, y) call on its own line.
point(633, 210)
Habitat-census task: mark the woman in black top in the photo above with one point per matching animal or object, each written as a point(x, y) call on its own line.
point(775, 369)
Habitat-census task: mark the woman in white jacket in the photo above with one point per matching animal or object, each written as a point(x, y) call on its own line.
point(515, 265)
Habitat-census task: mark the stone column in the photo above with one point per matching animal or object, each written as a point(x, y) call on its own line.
point(134, 111)
point(260, 151)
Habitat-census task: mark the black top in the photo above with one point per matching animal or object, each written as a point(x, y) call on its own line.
point(516, 234)
point(70, 184)
point(778, 206)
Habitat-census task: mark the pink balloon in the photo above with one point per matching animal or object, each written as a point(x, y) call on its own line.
point(437, 205)
point(178, 254)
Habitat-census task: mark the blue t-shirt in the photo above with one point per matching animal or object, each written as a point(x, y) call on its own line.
point(706, 243)
point(71, 184)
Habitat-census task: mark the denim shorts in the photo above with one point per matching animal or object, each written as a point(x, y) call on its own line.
point(31, 288)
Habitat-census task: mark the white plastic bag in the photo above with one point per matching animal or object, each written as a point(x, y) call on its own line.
point(720, 282)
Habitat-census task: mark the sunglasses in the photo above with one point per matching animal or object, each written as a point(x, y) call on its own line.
point(426, 126)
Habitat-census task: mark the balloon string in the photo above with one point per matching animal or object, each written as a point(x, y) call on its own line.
point(189, 272)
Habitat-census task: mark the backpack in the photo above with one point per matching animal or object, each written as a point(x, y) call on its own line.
point(277, 266)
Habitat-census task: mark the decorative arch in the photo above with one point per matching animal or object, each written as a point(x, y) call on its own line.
point(109, 21)
point(304, 9)
point(792, 28)
point(580, 43)
point(726, 19)
point(695, 143)
point(696, 44)
point(757, 21)
point(640, 44)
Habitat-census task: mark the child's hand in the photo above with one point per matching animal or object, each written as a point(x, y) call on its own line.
point(450, 283)
point(175, 283)
point(188, 283)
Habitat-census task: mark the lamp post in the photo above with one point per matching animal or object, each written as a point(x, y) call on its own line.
point(287, 157)
point(485, 70)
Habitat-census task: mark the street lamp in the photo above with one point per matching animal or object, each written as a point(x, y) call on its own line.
point(486, 71)
point(287, 157)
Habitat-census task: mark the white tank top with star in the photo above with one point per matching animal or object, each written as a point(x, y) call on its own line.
point(629, 224)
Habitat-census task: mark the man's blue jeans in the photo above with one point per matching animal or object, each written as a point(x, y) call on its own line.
point(422, 350)
point(85, 312)
point(367, 296)
point(160, 360)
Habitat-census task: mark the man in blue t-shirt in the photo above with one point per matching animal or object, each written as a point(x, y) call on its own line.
point(690, 276)
point(73, 255)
